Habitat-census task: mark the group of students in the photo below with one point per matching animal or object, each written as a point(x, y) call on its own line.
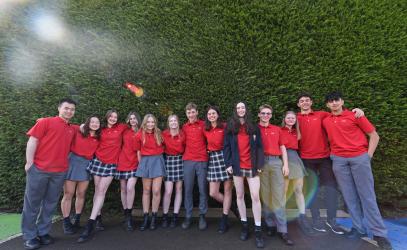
point(332, 146)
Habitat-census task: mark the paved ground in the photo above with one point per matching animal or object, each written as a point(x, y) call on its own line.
point(114, 237)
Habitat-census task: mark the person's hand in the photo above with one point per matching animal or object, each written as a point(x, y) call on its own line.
point(27, 166)
point(286, 171)
point(259, 171)
point(229, 170)
point(358, 112)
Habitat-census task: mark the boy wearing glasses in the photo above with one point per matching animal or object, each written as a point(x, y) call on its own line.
point(272, 191)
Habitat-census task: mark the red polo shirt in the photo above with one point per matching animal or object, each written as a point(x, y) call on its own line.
point(148, 145)
point(110, 144)
point(174, 145)
point(243, 143)
point(347, 134)
point(290, 137)
point(271, 139)
point(313, 143)
point(54, 136)
point(195, 143)
point(83, 146)
point(128, 160)
point(215, 138)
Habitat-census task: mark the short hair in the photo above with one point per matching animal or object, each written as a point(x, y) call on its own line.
point(304, 94)
point(265, 106)
point(333, 96)
point(67, 100)
point(190, 106)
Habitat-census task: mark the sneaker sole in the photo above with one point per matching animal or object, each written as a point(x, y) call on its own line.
point(319, 230)
point(334, 231)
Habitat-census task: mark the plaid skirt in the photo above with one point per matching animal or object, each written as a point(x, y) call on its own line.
point(246, 173)
point(216, 167)
point(174, 168)
point(98, 168)
point(125, 175)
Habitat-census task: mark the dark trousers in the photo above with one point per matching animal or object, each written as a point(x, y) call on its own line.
point(198, 169)
point(42, 192)
point(320, 172)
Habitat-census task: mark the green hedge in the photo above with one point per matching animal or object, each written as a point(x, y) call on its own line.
point(209, 52)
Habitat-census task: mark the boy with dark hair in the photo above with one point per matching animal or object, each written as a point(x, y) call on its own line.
point(351, 154)
point(314, 151)
point(47, 162)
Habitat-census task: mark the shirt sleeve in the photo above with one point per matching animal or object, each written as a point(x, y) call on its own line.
point(283, 140)
point(365, 125)
point(39, 129)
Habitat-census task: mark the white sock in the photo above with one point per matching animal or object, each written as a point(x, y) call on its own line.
point(257, 223)
point(243, 219)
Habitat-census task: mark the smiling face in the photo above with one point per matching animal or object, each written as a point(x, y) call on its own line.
point(290, 119)
point(150, 124)
point(241, 109)
point(212, 115)
point(66, 111)
point(173, 123)
point(112, 120)
point(133, 121)
point(304, 103)
point(94, 123)
point(192, 115)
point(265, 115)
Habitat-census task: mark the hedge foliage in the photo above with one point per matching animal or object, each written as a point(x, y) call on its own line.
point(208, 52)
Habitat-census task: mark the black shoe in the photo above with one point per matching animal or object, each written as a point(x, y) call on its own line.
point(259, 237)
point(304, 226)
point(144, 225)
point(187, 223)
point(129, 223)
point(355, 234)
point(174, 221)
point(286, 239)
point(164, 221)
point(383, 243)
point(202, 225)
point(85, 235)
point(271, 231)
point(319, 226)
point(153, 223)
point(32, 244)
point(46, 239)
point(99, 224)
point(235, 209)
point(68, 227)
point(223, 225)
point(244, 234)
point(335, 228)
point(76, 222)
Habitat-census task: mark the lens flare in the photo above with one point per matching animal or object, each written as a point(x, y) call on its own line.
point(48, 27)
point(136, 90)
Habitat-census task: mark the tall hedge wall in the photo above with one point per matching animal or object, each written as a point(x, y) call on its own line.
point(209, 52)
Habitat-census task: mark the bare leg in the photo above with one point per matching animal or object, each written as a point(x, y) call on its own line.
point(178, 196)
point(156, 194)
point(66, 202)
point(146, 194)
point(80, 196)
point(254, 186)
point(227, 197)
point(167, 196)
point(239, 186)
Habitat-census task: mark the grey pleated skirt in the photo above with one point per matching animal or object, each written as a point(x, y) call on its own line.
point(295, 165)
point(151, 166)
point(77, 168)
